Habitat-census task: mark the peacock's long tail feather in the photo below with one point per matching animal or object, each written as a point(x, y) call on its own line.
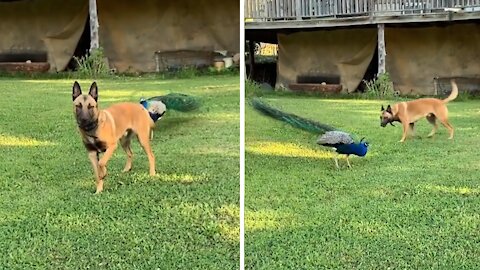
point(178, 102)
point(292, 119)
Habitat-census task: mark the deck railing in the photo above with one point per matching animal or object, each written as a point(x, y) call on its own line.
point(271, 10)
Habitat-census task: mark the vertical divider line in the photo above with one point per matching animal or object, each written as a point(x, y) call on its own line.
point(242, 136)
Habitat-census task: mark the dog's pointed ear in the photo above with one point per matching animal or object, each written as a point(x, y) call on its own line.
point(76, 91)
point(382, 109)
point(94, 91)
point(389, 109)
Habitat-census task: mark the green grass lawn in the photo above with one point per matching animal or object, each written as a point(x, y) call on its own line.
point(404, 206)
point(184, 218)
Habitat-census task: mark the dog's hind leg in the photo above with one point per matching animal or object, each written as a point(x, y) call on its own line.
point(431, 118)
point(125, 142)
point(448, 126)
point(93, 156)
point(443, 118)
point(144, 139)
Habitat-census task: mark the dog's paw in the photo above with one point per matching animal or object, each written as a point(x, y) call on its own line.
point(102, 171)
point(99, 187)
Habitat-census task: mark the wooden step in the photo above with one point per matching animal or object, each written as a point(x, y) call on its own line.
point(13, 67)
point(315, 87)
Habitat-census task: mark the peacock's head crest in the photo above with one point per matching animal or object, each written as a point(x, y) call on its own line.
point(363, 142)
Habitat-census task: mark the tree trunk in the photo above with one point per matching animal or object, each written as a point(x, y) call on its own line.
point(381, 49)
point(94, 43)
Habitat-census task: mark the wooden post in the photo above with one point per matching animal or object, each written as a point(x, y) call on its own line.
point(381, 49)
point(371, 9)
point(298, 9)
point(251, 56)
point(92, 9)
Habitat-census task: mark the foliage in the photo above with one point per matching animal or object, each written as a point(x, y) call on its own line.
point(380, 87)
point(403, 206)
point(253, 88)
point(92, 65)
point(187, 217)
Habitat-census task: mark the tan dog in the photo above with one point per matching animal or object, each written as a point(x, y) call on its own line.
point(102, 129)
point(409, 112)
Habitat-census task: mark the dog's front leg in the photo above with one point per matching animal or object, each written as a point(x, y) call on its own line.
point(93, 156)
point(406, 127)
point(102, 166)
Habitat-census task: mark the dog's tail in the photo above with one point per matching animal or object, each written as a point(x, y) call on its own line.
point(454, 94)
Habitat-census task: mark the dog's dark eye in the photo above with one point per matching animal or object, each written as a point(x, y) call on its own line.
point(90, 107)
point(79, 106)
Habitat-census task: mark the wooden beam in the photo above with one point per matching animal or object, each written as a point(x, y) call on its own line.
point(381, 49)
point(251, 56)
point(360, 20)
point(92, 10)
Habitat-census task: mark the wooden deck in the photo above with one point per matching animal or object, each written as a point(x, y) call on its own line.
point(275, 14)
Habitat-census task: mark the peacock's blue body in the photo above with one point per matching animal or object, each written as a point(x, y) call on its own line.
point(357, 149)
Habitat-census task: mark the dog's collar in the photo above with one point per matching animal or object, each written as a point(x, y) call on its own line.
point(89, 127)
point(395, 119)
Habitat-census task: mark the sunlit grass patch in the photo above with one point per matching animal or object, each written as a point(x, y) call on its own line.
point(287, 150)
point(7, 140)
point(268, 220)
point(228, 216)
point(453, 190)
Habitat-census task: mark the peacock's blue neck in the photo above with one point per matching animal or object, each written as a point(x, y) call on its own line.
point(144, 104)
point(358, 149)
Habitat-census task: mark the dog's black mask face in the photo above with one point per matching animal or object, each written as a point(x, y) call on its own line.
point(85, 107)
point(386, 116)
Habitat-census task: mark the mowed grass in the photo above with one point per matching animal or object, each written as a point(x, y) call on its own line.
point(404, 206)
point(186, 217)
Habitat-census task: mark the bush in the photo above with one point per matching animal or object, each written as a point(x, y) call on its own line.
point(93, 64)
point(381, 86)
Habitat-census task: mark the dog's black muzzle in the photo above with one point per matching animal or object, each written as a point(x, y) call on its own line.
point(385, 122)
point(87, 124)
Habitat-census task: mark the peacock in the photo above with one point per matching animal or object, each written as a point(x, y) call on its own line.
point(341, 141)
point(158, 105)
point(155, 108)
